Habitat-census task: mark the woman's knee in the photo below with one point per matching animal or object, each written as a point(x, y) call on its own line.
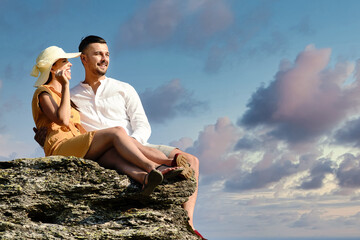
point(118, 131)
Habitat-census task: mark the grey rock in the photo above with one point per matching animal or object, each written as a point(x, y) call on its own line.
point(70, 198)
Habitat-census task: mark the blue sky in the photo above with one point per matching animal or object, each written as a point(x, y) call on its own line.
point(264, 93)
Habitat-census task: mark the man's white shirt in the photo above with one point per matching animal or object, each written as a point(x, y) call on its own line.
point(115, 103)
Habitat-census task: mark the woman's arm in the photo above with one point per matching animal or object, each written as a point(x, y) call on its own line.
point(58, 114)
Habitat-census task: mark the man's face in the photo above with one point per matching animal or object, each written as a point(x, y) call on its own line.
point(96, 58)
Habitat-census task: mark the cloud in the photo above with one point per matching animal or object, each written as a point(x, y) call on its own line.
point(169, 101)
point(209, 28)
point(240, 40)
point(348, 173)
point(305, 100)
point(282, 136)
point(209, 18)
point(265, 172)
point(183, 143)
point(212, 146)
point(317, 174)
point(349, 134)
point(162, 21)
point(248, 143)
point(310, 220)
point(152, 25)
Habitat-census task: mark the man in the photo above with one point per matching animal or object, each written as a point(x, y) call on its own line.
point(105, 102)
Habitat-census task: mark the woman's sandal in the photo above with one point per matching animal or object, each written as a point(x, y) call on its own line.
point(172, 173)
point(154, 178)
point(181, 161)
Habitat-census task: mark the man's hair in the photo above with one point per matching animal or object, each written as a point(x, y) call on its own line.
point(88, 40)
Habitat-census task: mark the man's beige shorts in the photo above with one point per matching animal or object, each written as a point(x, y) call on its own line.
point(163, 148)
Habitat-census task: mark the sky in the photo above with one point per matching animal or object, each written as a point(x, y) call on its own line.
point(265, 93)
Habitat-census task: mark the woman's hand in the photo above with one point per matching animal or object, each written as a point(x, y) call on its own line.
point(63, 76)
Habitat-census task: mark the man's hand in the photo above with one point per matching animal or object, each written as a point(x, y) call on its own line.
point(40, 135)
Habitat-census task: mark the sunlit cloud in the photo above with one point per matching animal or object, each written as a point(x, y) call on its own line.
point(212, 146)
point(306, 100)
point(318, 172)
point(286, 129)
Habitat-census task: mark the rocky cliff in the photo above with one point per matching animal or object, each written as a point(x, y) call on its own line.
point(70, 198)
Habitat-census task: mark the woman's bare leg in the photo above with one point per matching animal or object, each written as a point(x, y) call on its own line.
point(116, 137)
point(153, 154)
point(112, 160)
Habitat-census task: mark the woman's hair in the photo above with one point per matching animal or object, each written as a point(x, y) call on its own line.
point(49, 79)
point(50, 76)
point(88, 40)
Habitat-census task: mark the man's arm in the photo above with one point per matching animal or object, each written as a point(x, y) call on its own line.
point(40, 135)
point(138, 120)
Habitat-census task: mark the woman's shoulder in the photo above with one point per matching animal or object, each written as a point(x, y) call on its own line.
point(39, 90)
point(42, 88)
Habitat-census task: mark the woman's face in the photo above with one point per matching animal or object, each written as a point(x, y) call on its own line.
point(62, 64)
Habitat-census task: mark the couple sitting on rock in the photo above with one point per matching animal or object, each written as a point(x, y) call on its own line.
point(113, 129)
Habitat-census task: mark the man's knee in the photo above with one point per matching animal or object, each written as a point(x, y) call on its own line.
point(194, 161)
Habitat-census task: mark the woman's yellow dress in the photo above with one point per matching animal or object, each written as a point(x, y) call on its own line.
point(61, 140)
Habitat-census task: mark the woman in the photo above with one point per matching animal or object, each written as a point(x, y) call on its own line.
point(52, 108)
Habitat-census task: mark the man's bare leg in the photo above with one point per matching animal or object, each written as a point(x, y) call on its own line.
point(160, 158)
point(189, 206)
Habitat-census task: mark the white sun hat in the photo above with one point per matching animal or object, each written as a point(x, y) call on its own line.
point(45, 60)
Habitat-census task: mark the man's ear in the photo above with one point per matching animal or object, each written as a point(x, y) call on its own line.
point(83, 58)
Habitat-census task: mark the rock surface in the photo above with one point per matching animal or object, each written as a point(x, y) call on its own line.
point(71, 198)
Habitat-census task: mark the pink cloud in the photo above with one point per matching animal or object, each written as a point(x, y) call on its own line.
point(299, 86)
point(183, 143)
point(212, 146)
point(313, 95)
point(306, 99)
